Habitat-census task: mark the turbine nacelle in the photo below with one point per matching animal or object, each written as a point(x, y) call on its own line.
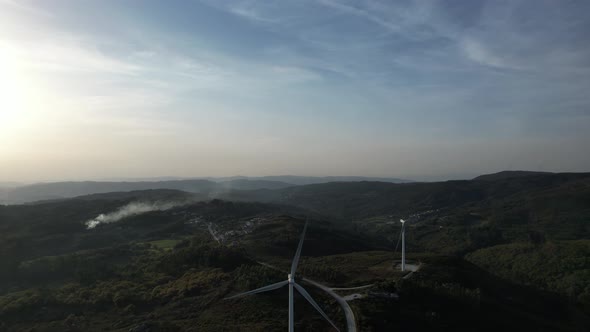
point(291, 278)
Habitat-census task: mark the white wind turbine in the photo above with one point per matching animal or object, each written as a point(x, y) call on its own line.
point(403, 244)
point(291, 282)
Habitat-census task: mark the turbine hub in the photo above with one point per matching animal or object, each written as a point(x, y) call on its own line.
point(291, 279)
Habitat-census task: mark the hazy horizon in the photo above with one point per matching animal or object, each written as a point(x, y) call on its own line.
point(418, 178)
point(173, 178)
point(414, 90)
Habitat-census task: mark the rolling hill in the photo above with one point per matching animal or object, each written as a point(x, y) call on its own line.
point(508, 252)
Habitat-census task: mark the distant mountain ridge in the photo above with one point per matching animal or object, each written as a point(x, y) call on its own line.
point(290, 189)
point(303, 180)
point(60, 190)
point(208, 187)
point(290, 179)
point(508, 174)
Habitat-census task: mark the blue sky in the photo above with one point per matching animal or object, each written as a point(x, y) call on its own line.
point(414, 89)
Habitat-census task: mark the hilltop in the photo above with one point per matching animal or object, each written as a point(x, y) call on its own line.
point(507, 175)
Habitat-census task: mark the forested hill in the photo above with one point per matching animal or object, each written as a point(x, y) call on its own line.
point(505, 252)
point(543, 192)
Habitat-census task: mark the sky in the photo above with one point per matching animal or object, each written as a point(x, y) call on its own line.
point(411, 89)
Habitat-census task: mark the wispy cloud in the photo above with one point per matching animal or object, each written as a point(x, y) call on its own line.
point(67, 56)
point(406, 20)
point(249, 10)
point(478, 53)
point(214, 82)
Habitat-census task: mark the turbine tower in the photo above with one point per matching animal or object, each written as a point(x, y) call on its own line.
point(403, 244)
point(292, 284)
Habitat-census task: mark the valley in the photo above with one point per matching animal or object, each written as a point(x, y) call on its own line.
point(169, 269)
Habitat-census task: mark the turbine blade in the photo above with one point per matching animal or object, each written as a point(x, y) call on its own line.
point(260, 290)
point(298, 253)
point(314, 304)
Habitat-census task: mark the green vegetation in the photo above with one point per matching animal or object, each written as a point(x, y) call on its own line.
point(496, 253)
point(562, 267)
point(450, 294)
point(349, 270)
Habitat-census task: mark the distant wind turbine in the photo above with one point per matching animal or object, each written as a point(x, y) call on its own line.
point(291, 282)
point(403, 244)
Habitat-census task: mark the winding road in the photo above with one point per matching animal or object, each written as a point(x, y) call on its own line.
point(354, 288)
point(350, 320)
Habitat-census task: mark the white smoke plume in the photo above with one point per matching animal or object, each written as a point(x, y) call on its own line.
point(131, 209)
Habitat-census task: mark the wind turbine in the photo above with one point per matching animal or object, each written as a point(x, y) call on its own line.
point(403, 244)
point(291, 282)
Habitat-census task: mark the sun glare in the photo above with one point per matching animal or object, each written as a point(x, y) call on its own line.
point(12, 92)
